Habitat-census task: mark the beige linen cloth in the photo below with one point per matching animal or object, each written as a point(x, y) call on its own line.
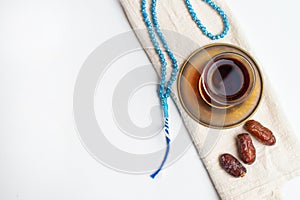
point(274, 165)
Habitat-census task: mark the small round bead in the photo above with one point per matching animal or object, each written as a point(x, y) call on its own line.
point(168, 90)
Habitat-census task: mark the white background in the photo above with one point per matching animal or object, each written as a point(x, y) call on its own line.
point(43, 44)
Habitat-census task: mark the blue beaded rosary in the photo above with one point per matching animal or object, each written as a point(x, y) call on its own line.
point(153, 30)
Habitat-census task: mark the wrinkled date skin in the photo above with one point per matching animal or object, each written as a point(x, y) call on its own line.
point(232, 166)
point(246, 148)
point(260, 132)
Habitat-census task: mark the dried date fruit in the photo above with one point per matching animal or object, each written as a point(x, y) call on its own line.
point(232, 166)
point(260, 132)
point(246, 148)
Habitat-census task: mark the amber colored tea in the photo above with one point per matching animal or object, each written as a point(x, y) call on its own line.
point(227, 79)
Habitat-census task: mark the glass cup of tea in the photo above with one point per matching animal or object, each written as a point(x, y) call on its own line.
point(227, 80)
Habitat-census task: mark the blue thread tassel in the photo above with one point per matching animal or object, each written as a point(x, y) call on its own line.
point(167, 150)
point(164, 160)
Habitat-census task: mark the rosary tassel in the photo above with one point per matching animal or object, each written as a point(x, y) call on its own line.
point(166, 129)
